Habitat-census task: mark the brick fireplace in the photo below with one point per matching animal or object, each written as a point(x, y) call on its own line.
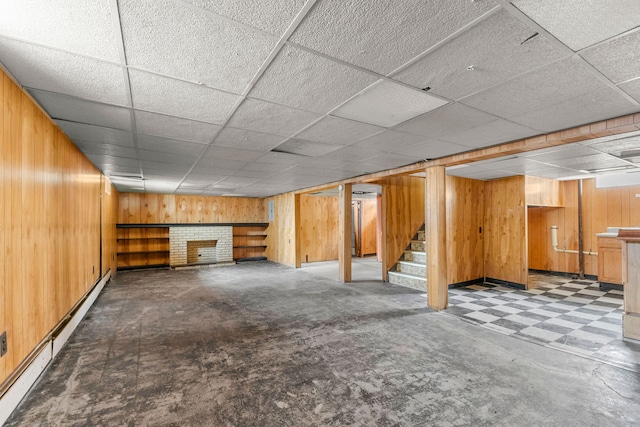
point(191, 245)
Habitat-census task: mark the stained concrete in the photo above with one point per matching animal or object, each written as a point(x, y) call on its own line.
point(267, 345)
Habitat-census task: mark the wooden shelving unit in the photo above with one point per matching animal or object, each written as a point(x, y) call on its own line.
point(143, 247)
point(249, 242)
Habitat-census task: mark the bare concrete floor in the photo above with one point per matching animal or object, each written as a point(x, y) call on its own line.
point(260, 344)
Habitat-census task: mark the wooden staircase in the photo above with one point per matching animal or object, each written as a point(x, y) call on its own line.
point(411, 268)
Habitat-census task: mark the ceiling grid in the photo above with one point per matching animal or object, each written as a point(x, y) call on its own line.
point(262, 98)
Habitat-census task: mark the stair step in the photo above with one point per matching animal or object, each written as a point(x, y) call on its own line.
point(408, 280)
point(415, 256)
point(417, 245)
point(412, 267)
point(421, 236)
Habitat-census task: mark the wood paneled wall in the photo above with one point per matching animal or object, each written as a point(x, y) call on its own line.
point(49, 225)
point(602, 208)
point(283, 230)
point(505, 230)
point(543, 191)
point(145, 208)
point(109, 219)
point(369, 226)
point(403, 206)
point(465, 217)
point(318, 228)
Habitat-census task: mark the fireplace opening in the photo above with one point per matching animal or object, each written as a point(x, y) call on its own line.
point(202, 252)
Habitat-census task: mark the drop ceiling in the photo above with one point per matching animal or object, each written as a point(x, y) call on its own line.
point(260, 98)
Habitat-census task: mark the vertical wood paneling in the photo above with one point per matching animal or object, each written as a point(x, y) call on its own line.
point(505, 239)
point(403, 214)
point(145, 208)
point(369, 226)
point(49, 225)
point(282, 231)
point(465, 216)
point(543, 191)
point(318, 228)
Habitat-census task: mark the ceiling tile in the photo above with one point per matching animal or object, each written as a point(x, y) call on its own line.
point(310, 82)
point(167, 145)
point(380, 35)
point(593, 161)
point(174, 127)
point(618, 147)
point(353, 154)
point(273, 17)
point(261, 116)
point(390, 141)
point(163, 156)
point(553, 154)
point(617, 58)
point(495, 47)
point(106, 149)
point(281, 159)
point(305, 148)
point(82, 26)
point(584, 23)
point(54, 71)
point(101, 160)
point(547, 86)
point(90, 133)
point(230, 153)
point(599, 104)
point(432, 150)
point(632, 88)
point(491, 133)
point(170, 39)
point(177, 98)
point(250, 140)
point(337, 131)
point(387, 104)
point(389, 161)
point(483, 175)
point(448, 119)
point(78, 110)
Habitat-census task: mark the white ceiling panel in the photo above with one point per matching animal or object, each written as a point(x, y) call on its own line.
point(162, 156)
point(560, 153)
point(390, 141)
point(550, 85)
point(103, 159)
point(177, 98)
point(617, 58)
point(491, 133)
point(170, 39)
point(305, 148)
point(599, 104)
point(387, 104)
point(78, 110)
point(388, 161)
point(106, 149)
point(597, 160)
point(167, 145)
point(632, 88)
point(579, 24)
point(268, 167)
point(54, 71)
point(82, 26)
point(91, 133)
point(368, 33)
point(310, 82)
point(334, 130)
point(230, 153)
point(267, 117)
point(250, 140)
point(483, 175)
point(353, 154)
point(118, 169)
point(174, 127)
point(307, 170)
point(497, 48)
point(276, 160)
point(432, 149)
point(448, 119)
point(273, 17)
point(618, 147)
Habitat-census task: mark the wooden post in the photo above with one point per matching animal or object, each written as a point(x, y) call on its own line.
point(297, 224)
point(436, 237)
point(631, 282)
point(344, 233)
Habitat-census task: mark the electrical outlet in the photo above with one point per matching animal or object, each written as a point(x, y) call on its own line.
point(3, 344)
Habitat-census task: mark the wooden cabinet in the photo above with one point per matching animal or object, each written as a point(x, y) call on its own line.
point(249, 242)
point(140, 247)
point(609, 261)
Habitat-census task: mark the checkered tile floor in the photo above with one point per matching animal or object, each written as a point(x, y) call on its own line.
point(570, 315)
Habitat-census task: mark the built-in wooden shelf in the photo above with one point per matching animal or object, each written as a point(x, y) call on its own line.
point(248, 241)
point(142, 246)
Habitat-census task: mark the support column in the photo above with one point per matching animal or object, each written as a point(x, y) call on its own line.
point(344, 233)
point(436, 237)
point(296, 224)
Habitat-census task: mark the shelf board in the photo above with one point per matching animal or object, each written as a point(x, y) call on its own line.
point(143, 238)
point(249, 235)
point(132, 267)
point(144, 252)
point(250, 247)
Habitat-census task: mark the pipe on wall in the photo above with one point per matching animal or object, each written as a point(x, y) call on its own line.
point(554, 243)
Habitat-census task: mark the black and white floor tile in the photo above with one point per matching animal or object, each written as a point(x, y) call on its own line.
point(570, 315)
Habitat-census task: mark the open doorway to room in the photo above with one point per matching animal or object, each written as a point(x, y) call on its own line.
point(319, 233)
